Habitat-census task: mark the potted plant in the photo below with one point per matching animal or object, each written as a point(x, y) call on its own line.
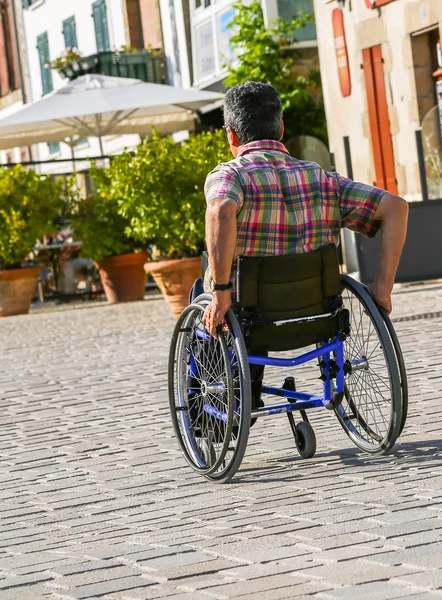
point(106, 238)
point(67, 63)
point(29, 204)
point(160, 189)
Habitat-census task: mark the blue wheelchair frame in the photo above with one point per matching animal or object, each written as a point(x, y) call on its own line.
point(302, 400)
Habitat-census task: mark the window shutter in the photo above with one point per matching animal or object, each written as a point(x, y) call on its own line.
point(101, 27)
point(43, 52)
point(54, 147)
point(70, 33)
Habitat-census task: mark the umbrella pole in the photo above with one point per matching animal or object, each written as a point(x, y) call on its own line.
point(100, 141)
point(74, 167)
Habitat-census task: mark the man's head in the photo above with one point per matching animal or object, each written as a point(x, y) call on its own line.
point(252, 112)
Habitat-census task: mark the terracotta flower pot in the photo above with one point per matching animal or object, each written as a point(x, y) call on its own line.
point(175, 279)
point(16, 290)
point(123, 277)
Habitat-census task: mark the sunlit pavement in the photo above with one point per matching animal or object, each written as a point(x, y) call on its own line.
point(98, 503)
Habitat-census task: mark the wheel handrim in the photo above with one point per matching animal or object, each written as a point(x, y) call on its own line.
point(203, 392)
point(366, 411)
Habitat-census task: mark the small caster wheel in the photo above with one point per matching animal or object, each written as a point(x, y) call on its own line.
point(306, 442)
point(208, 451)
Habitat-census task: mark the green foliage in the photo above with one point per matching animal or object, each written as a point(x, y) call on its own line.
point(153, 196)
point(265, 55)
point(97, 221)
point(29, 204)
point(68, 56)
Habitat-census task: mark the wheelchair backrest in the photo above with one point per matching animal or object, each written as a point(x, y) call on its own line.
point(289, 286)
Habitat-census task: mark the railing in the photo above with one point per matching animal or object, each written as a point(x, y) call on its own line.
point(143, 65)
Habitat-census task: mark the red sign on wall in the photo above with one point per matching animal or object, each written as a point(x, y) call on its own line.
point(341, 52)
point(376, 3)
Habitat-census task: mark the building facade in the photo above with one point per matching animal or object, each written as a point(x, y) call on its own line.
point(10, 91)
point(45, 29)
point(197, 37)
point(50, 26)
point(13, 89)
point(379, 62)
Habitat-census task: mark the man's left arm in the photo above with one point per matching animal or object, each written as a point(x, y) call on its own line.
point(221, 232)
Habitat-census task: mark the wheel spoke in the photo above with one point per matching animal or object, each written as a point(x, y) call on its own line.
point(367, 411)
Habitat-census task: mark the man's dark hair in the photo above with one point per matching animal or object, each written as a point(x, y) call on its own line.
point(254, 111)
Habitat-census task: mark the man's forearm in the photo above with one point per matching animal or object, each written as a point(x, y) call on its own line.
point(221, 235)
point(393, 232)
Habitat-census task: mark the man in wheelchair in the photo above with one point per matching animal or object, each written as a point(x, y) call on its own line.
point(266, 203)
point(272, 227)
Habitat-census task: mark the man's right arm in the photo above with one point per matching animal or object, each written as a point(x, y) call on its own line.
point(392, 213)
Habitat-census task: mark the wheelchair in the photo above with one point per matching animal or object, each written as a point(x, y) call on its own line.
point(285, 303)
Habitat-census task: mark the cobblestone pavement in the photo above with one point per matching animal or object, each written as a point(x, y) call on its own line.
point(96, 501)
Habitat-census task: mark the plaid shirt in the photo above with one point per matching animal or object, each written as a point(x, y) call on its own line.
point(287, 206)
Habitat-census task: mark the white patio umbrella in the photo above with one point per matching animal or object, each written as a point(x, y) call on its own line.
point(97, 105)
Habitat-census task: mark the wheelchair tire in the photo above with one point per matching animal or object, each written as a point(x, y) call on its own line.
point(400, 364)
point(372, 411)
point(306, 442)
point(209, 393)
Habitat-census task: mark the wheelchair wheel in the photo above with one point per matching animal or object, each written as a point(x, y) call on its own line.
point(372, 411)
point(306, 442)
point(209, 393)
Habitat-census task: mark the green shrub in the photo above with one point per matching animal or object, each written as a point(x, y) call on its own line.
point(29, 204)
point(161, 190)
point(97, 221)
point(153, 196)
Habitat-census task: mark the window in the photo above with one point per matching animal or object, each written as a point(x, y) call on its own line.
point(27, 3)
point(204, 51)
point(54, 147)
point(291, 9)
point(70, 33)
point(100, 22)
point(43, 53)
point(82, 143)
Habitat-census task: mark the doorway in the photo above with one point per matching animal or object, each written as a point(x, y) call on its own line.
point(379, 121)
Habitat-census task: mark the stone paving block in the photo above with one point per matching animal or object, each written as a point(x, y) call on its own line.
point(355, 572)
point(408, 527)
point(175, 560)
point(427, 556)
point(284, 593)
point(153, 592)
point(431, 580)
point(370, 551)
point(82, 592)
point(23, 581)
point(217, 566)
point(28, 592)
point(93, 576)
point(251, 586)
point(422, 596)
point(379, 590)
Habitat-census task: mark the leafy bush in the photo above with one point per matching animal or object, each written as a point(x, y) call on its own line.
point(153, 196)
point(266, 54)
point(29, 204)
point(98, 223)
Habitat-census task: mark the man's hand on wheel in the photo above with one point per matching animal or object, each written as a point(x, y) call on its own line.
point(381, 294)
point(216, 311)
